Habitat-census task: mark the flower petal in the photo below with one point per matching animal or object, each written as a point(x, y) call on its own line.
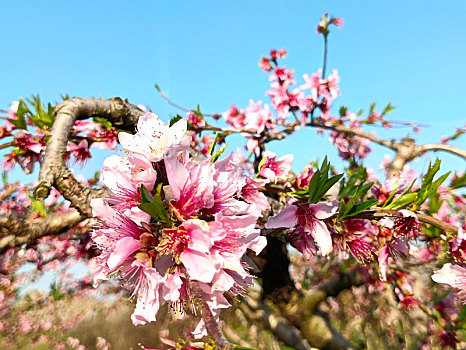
point(286, 218)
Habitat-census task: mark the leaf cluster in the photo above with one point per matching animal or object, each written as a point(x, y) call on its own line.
point(319, 185)
point(153, 205)
point(33, 110)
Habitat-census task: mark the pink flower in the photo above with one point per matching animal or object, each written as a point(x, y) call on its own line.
point(25, 142)
point(338, 21)
point(307, 221)
point(458, 246)
point(73, 342)
point(454, 275)
point(358, 237)
point(211, 212)
point(257, 117)
point(79, 151)
point(406, 224)
point(265, 65)
point(251, 194)
point(85, 126)
point(234, 117)
point(332, 84)
point(195, 120)
point(274, 169)
point(302, 180)
point(154, 137)
point(275, 54)
point(383, 192)
point(124, 177)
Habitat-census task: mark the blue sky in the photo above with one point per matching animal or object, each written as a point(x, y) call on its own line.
point(410, 53)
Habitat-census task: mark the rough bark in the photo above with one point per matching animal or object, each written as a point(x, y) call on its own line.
point(54, 171)
point(16, 230)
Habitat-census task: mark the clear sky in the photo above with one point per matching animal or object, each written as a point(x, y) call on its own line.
point(410, 53)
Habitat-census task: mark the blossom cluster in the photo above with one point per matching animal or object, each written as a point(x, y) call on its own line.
point(175, 219)
point(28, 147)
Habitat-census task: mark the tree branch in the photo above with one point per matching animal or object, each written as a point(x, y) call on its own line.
point(441, 147)
point(54, 171)
point(256, 310)
point(210, 322)
point(379, 213)
point(16, 230)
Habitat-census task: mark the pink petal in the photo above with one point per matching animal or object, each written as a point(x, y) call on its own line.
point(286, 218)
point(454, 275)
point(124, 248)
point(258, 244)
point(177, 174)
point(383, 262)
point(199, 232)
point(200, 266)
point(322, 237)
point(324, 210)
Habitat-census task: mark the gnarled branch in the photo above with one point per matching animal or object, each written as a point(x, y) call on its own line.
point(53, 171)
point(16, 230)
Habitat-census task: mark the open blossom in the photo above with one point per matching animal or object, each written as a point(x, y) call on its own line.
point(195, 120)
point(79, 151)
point(454, 275)
point(265, 65)
point(209, 221)
point(383, 192)
point(307, 222)
point(274, 169)
point(302, 180)
point(235, 117)
point(406, 224)
point(154, 137)
point(257, 117)
point(357, 237)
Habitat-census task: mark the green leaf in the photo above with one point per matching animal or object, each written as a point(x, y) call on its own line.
point(462, 314)
point(319, 184)
point(346, 207)
point(429, 187)
point(105, 123)
point(458, 182)
point(343, 110)
point(435, 203)
point(372, 108)
point(349, 187)
point(43, 119)
point(219, 153)
point(390, 197)
point(387, 109)
point(327, 185)
point(360, 207)
point(145, 195)
point(198, 111)
point(17, 151)
point(261, 163)
point(19, 123)
point(436, 184)
point(402, 201)
point(38, 206)
point(214, 143)
point(23, 109)
point(154, 205)
point(175, 119)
